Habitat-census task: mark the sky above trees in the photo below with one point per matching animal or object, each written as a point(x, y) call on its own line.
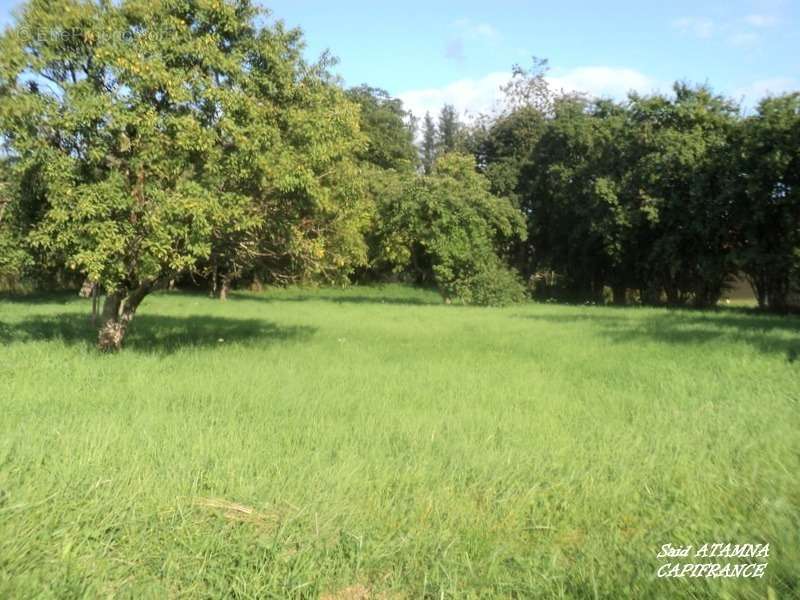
point(459, 52)
point(429, 53)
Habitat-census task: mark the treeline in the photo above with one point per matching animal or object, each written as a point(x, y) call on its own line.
point(659, 199)
point(656, 199)
point(190, 142)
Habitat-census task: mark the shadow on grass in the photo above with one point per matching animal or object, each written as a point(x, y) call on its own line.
point(342, 298)
point(767, 333)
point(157, 334)
point(57, 297)
point(335, 295)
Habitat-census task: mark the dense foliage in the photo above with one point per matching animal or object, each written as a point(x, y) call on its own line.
point(152, 139)
point(447, 228)
point(658, 198)
point(767, 201)
point(13, 257)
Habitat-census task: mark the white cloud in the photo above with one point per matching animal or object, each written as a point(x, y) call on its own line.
point(744, 39)
point(475, 31)
point(700, 27)
point(746, 30)
point(757, 90)
point(466, 95)
point(761, 20)
point(604, 81)
point(739, 31)
point(482, 95)
point(465, 32)
point(471, 97)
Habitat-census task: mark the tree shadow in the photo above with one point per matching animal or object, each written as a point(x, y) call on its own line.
point(770, 334)
point(57, 297)
point(338, 298)
point(155, 334)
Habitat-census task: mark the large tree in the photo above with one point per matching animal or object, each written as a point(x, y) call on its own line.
point(620, 195)
point(679, 160)
point(571, 187)
point(428, 150)
point(156, 133)
point(448, 130)
point(767, 188)
point(386, 125)
point(504, 150)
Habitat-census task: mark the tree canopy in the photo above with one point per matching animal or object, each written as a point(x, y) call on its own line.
point(665, 198)
point(152, 137)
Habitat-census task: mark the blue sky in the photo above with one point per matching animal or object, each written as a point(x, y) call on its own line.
point(436, 51)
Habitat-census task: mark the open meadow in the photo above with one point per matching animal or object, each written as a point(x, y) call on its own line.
point(377, 443)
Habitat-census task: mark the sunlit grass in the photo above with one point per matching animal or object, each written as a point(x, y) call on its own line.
point(298, 443)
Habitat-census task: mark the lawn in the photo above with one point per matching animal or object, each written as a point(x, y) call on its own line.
point(374, 442)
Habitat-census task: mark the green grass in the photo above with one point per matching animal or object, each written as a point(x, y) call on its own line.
point(301, 443)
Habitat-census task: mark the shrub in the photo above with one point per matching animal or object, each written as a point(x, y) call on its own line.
point(448, 229)
point(492, 284)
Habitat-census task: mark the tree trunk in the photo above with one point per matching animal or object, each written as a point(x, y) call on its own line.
point(673, 295)
point(598, 285)
point(777, 299)
point(213, 293)
point(771, 290)
point(225, 287)
point(618, 292)
point(86, 288)
point(759, 287)
point(109, 339)
point(95, 301)
point(118, 312)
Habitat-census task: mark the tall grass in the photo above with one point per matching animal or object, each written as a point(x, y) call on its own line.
point(375, 442)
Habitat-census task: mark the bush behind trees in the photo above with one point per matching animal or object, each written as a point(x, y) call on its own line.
point(447, 229)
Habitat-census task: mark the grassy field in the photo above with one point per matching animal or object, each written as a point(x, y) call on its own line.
point(377, 443)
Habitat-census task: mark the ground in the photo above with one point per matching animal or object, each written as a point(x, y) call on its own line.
point(376, 443)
